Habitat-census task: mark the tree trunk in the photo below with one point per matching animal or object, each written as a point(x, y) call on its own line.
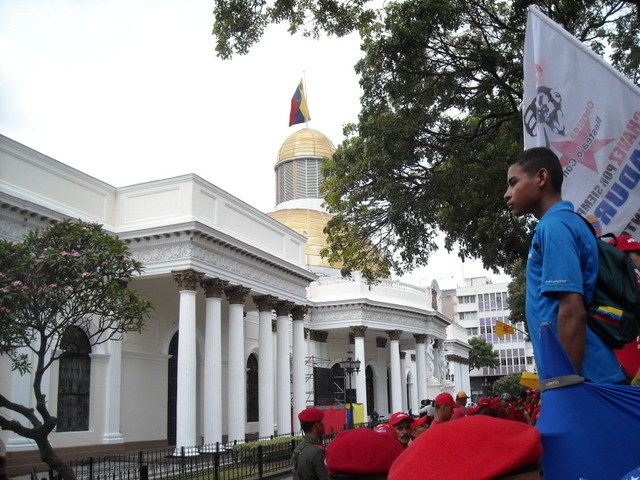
point(48, 456)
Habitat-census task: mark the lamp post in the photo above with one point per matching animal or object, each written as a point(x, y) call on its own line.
point(485, 386)
point(349, 366)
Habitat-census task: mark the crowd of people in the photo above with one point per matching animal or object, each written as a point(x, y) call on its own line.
point(395, 449)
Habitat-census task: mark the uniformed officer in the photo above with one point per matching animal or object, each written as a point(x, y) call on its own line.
point(308, 456)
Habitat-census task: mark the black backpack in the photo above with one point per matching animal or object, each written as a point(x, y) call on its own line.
point(614, 311)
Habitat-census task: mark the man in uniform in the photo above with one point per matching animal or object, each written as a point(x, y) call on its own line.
point(308, 456)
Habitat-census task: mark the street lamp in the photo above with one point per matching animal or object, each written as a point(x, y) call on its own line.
point(349, 366)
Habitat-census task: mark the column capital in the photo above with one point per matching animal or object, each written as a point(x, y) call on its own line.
point(236, 294)
point(420, 337)
point(319, 335)
point(187, 279)
point(283, 308)
point(381, 342)
point(358, 330)
point(298, 312)
point(393, 334)
point(213, 287)
point(403, 355)
point(265, 303)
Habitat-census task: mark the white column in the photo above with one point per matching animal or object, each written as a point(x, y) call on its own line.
point(22, 394)
point(266, 390)
point(381, 378)
point(396, 384)
point(112, 404)
point(299, 350)
point(414, 401)
point(421, 367)
point(283, 374)
point(403, 381)
point(237, 384)
point(186, 395)
point(361, 376)
point(274, 336)
point(212, 415)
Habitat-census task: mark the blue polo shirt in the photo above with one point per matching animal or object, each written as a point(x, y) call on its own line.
point(563, 257)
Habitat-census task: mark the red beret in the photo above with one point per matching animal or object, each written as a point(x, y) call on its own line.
point(311, 415)
point(500, 447)
point(385, 428)
point(398, 417)
point(362, 452)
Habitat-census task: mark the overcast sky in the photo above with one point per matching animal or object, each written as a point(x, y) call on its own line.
point(131, 90)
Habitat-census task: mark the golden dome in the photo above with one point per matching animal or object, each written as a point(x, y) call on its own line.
point(306, 143)
point(309, 223)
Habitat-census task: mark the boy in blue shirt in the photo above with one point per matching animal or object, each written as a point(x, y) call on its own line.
point(562, 266)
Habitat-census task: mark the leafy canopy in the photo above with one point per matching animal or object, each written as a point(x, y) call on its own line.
point(71, 277)
point(442, 86)
point(482, 354)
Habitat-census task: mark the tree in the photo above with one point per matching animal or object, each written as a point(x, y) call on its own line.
point(482, 354)
point(508, 384)
point(442, 88)
point(70, 277)
point(517, 293)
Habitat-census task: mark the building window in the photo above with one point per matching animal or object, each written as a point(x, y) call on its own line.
point(74, 381)
point(253, 406)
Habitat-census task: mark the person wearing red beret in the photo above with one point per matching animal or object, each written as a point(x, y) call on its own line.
point(444, 408)
point(361, 454)
point(477, 447)
point(308, 456)
point(485, 406)
point(629, 355)
point(420, 426)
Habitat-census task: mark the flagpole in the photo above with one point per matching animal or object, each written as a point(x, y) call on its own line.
point(304, 84)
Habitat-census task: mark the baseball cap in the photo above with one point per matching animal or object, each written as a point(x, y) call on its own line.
point(625, 243)
point(362, 452)
point(439, 454)
point(385, 428)
point(311, 415)
point(461, 395)
point(397, 417)
point(446, 399)
point(421, 421)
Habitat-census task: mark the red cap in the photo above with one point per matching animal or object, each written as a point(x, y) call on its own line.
point(397, 417)
point(497, 399)
point(446, 399)
point(362, 452)
point(385, 428)
point(625, 243)
point(311, 415)
point(420, 421)
point(438, 453)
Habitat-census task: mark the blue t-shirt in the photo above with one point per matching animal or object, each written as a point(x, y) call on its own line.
point(563, 257)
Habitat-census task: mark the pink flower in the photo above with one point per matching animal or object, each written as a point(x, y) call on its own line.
point(64, 254)
point(53, 285)
point(4, 289)
point(5, 310)
point(86, 274)
point(76, 254)
point(40, 289)
point(17, 283)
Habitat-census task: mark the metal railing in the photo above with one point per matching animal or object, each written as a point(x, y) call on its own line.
point(251, 459)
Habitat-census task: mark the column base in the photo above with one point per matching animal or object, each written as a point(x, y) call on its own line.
point(112, 438)
point(186, 452)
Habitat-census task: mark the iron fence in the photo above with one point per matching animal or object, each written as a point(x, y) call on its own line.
point(251, 459)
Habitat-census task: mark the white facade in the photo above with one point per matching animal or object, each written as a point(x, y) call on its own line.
point(234, 283)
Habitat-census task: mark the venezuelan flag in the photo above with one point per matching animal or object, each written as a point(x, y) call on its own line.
point(299, 111)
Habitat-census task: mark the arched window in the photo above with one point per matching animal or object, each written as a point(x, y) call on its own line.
point(370, 386)
point(74, 378)
point(253, 403)
point(172, 389)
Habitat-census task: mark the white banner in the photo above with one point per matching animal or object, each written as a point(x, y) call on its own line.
point(588, 113)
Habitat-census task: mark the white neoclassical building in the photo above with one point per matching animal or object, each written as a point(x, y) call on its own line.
point(247, 318)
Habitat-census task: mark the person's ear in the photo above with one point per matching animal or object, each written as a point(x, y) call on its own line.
point(543, 178)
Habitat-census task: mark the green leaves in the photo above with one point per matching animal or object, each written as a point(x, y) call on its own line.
point(70, 274)
point(482, 354)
